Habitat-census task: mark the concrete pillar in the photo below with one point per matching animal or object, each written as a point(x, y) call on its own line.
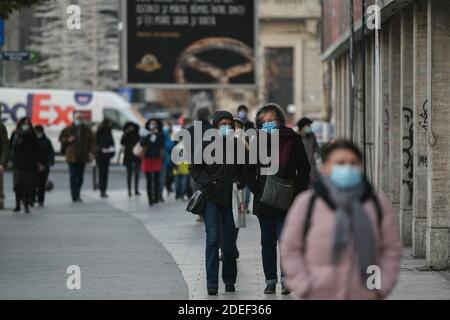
point(407, 125)
point(395, 108)
point(385, 114)
point(420, 109)
point(357, 126)
point(438, 66)
point(369, 107)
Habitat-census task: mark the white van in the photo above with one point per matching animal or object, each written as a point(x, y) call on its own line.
point(54, 109)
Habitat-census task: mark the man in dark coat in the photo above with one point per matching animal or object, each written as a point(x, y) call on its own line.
point(78, 145)
point(4, 154)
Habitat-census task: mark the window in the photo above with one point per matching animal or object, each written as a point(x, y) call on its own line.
point(117, 118)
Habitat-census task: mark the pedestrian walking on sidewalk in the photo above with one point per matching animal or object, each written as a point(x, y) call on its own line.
point(153, 144)
point(46, 159)
point(24, 151)
point(132, 163)
point(105, 152)
point(4, 158)
point(311, 147)
point(293, 172)
point(218, 213)
point(166, 175)
point(338, 234)
point(78, 146)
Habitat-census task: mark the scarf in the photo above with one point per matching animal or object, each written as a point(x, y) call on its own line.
point(352, 218)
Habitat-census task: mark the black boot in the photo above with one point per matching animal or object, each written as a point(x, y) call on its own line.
point(17, 208)
point(270, 289)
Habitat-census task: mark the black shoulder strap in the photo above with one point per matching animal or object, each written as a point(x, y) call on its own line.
point(307, 223)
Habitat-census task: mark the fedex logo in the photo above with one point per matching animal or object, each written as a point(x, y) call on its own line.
point(39, 109)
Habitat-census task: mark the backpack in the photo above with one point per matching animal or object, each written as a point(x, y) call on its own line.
point(312, 201)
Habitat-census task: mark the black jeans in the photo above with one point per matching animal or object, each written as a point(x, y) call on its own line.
point(219, 220)
point(42, 177)
point(271, 227)
point(76, 171)
point(152, 187)
point(24, 182)
point(103, 172)
point(133, 169)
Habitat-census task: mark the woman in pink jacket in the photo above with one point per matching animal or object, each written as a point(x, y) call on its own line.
point(341, 240)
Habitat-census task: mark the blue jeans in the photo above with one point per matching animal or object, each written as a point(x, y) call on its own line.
point(216, 217)
point(271, 226)
point(181, 182)
point(76, 171)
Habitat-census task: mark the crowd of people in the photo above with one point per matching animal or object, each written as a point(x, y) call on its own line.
point(328, 223)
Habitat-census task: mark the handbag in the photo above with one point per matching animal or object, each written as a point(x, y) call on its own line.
point(278, 193)
point(139, 151)
point(196, 203)
point(238, 204)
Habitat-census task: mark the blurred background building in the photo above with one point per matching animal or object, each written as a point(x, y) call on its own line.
point(398, 110)
point(289, 66)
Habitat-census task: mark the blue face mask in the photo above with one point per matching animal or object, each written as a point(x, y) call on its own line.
point(269, 126)
point(25, 127)
point(345, 176)
point(308, 130)
point(242, 115)
point(225, 130)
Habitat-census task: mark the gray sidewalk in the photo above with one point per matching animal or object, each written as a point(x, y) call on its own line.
point(118, 258)
point(179, 232)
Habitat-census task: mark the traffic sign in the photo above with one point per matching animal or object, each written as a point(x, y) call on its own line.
point(2, 32)
point(18, 56)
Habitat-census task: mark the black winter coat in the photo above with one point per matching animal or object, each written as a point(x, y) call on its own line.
point(104, 140)
point(298, 168)
point(46, 153)
point(129, 141)
point(225, 174)
point(24, 150)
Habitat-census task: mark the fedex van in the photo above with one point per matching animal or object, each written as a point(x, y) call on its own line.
point(53, 109)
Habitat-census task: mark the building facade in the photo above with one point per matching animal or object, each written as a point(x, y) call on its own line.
point(398, 109)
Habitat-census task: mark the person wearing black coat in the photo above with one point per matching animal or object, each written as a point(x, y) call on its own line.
point(24, 152)
point(129, 140)
point(153, 144)
point(104, 154)
point(46, 159)
point(218, 214)
point(293, 164)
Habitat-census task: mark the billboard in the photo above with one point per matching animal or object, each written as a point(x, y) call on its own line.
point(189, 43)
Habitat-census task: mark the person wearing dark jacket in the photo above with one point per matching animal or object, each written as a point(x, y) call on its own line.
point(218, 214)
point(4, 157)
point(105, 151)
point(293, 164)
point(243, 116)
point(24, 150)
point(78, 145)
point(153, 144)
point(129, 140)
point(46, 159)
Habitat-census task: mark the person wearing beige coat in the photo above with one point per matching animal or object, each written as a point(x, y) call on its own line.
point(351, 233)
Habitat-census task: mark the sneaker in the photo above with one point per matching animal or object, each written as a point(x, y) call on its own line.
point(270, 289)
point(16, 209)
point(212, 292)
point(103, 195)
point(137, 193)
point(230, 288)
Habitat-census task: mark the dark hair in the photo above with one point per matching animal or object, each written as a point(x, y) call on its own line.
point(39, 128)
point(159, 124)
point(21, 121)
point(203, 114)
point(242, 107)
point(342, 144)
point(271, 107)
point(303, 122)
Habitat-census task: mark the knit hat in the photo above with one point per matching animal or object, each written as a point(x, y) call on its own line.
point(219, 115)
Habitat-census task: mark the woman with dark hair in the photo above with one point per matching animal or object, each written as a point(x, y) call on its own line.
point(105, 152)
point(218, 214)
point(129, 140)
point(293, 167)
point(153, 144)
point(46, 159)
point(338, 234)
point(24, 151)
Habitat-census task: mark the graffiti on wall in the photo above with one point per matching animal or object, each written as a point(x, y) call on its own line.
point(408, 152)
point(423, 117)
